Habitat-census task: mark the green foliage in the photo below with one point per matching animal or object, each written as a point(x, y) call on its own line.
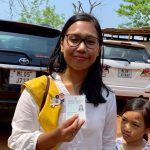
point(40, 12)
point(137, 12)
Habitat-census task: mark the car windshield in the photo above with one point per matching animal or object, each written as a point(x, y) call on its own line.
point(131, 54)
point(31, 44)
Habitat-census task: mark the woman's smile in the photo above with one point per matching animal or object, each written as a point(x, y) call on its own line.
point(80, 58)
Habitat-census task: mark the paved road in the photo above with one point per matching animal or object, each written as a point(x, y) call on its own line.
point(5, 130)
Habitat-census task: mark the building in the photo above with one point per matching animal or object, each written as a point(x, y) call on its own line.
point(140, 35)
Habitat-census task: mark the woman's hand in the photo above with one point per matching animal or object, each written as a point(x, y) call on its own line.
point(64, 133)
point(69, 128)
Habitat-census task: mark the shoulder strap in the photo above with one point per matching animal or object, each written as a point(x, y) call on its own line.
point(45, 93)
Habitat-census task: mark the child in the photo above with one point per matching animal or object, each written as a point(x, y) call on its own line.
point(135, 123)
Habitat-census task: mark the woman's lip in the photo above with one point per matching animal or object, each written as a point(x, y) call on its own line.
point(80, 57)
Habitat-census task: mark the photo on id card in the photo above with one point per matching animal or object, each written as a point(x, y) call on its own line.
point(75, 105)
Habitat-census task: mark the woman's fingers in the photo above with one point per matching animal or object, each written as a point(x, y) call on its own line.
point(79, 125)
point(69, 121)
point(73, 127)
point(70, 128)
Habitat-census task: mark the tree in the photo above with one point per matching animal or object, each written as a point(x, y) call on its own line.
point(137, 12)
point(32, 11)
point(38, 12)
point(78, 8)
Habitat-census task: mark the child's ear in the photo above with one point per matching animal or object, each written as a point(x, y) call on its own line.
point(147, 130)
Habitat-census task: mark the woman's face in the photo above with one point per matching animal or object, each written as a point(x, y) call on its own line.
point(80, 45)
point(132, 126)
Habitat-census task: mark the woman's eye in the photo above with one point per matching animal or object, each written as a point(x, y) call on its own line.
point(90, 41)
point(74, 40)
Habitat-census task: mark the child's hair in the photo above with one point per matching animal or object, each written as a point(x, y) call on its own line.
point(139, 104)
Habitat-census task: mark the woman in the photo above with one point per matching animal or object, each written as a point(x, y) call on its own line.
point(74, 69)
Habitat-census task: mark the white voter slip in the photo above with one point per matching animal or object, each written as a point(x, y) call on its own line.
point(75, 105)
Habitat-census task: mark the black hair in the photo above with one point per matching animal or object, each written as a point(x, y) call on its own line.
point(139, 104)
point(93, 85)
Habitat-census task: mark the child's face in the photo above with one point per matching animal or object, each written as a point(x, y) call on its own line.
point(132, 126)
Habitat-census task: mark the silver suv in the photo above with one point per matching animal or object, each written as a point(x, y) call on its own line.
point(126, 68)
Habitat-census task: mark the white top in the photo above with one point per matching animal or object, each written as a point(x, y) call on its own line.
point(119, 144)
point(99, 133)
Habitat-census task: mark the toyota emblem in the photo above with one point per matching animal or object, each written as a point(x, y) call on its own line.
point(24, 61)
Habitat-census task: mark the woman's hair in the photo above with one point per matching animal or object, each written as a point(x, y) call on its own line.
point(93, 85)
point(139, 104)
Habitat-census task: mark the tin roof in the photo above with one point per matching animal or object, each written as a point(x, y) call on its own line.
point(127, 31)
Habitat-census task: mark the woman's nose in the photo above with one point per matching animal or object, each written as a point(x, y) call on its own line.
point(82, 47)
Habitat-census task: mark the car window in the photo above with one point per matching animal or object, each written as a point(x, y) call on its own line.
point(30, 44)
point(132, 54)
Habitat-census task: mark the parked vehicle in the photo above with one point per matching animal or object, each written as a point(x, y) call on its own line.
point(126, 67)
point(24, 53)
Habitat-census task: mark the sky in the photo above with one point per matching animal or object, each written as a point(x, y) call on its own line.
point(105, 12)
